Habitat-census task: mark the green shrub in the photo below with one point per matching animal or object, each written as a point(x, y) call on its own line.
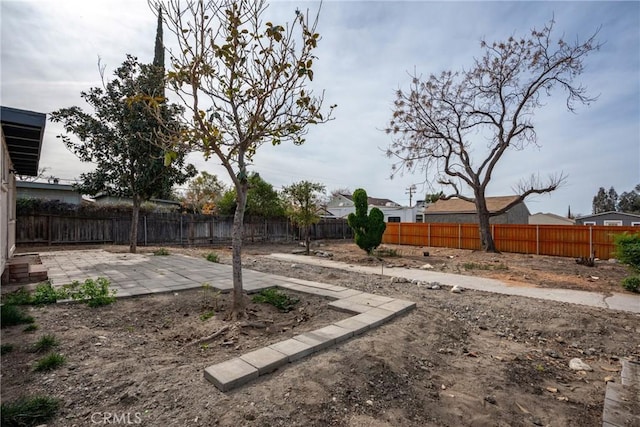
point(11, 315)
point(161, 252)
point(631, 283)
point(31, 328)
point(276, 298)
point(628, 249)
point(628, 252)
point(5, 349)
point(31, 411)
point(45, 343)
point(50, 362)
point(95, 293)
point(19, 297)
point(368, 229)
point(212, 257)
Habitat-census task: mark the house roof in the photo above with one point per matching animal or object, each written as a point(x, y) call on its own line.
point(462, 206)
point(373, 201)
point(553, 216)
point(630, 215)
point(45, 186)
point(23, 132)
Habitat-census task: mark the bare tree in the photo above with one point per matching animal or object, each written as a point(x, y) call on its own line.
point(442, 123)
point(243, 82)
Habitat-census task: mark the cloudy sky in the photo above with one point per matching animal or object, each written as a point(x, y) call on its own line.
point(50, 50)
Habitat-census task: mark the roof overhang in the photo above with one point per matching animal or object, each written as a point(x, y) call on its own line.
point(23, 132)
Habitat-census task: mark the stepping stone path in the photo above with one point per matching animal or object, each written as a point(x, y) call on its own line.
point(369, 311)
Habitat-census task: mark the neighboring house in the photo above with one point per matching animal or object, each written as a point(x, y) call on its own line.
point(460, 211)
point(103, 199)
point(610, 218)
point(342, 205)
point(22, 133)
point(541, 218)
point(46, 191)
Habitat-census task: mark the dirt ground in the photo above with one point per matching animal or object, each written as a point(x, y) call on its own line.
point(469, 359)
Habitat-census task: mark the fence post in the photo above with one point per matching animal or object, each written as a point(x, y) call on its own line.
point(49, 228)
point(493, 234)
point(399, 233)
point(537, 239)
point(590, 241)
point(429, 234)
point(145, 229)
point(180, 229)
point(459, 236)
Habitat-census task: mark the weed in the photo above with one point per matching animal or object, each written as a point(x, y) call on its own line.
point(130, 329)
point(11, 315)
point(47, 294)
point(5, 349)
point(31, 328)
point(385, 252)
point(210, 296)
point(207, 315)
point(278, 299)
point(631, 283)
point(31, 411)
point(540, 367)
point(212, 257)
point(50, 362)
point(95, 293)
point(475, 266)
point(19, 297)
point(161, 252)
point(204, 346)
point(45, 343)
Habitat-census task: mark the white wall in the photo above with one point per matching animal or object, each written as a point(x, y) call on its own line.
point(7, 207)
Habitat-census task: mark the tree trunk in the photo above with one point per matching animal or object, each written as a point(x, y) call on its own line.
point(486, 239)
point(133, 236)
point(238, 307)
point(307, 239)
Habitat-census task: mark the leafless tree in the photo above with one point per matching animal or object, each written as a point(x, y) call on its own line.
point(441, 123)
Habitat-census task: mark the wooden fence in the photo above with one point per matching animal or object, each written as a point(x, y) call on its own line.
point(155, 229)
point(557, 240)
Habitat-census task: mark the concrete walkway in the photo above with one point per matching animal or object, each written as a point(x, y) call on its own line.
point(613, 301)
point(139, 274)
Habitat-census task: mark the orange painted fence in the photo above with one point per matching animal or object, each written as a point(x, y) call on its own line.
point(557, 240)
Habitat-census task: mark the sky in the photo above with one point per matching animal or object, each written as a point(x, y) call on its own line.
point(50, 51)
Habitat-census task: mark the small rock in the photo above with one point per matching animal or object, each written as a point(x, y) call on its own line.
point(294, 265)
point(578, 365)
point(369, 402)
point(552, 354)
point(552, 389)
point(444, 387)
point(435, 287)
point(590, 351)
point(456, 289)
point(608, 379)
point(490, 399)
point(427, 267)
point(102, 337)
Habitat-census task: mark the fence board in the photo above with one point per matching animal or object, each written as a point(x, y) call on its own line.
point(557, 240)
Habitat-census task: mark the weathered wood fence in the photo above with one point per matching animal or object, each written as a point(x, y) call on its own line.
point(557, 240)
point(155, 229)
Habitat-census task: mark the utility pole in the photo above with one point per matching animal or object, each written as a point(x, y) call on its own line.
point(410, 190)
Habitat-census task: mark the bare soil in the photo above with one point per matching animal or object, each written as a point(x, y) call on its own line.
point(470, 359)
